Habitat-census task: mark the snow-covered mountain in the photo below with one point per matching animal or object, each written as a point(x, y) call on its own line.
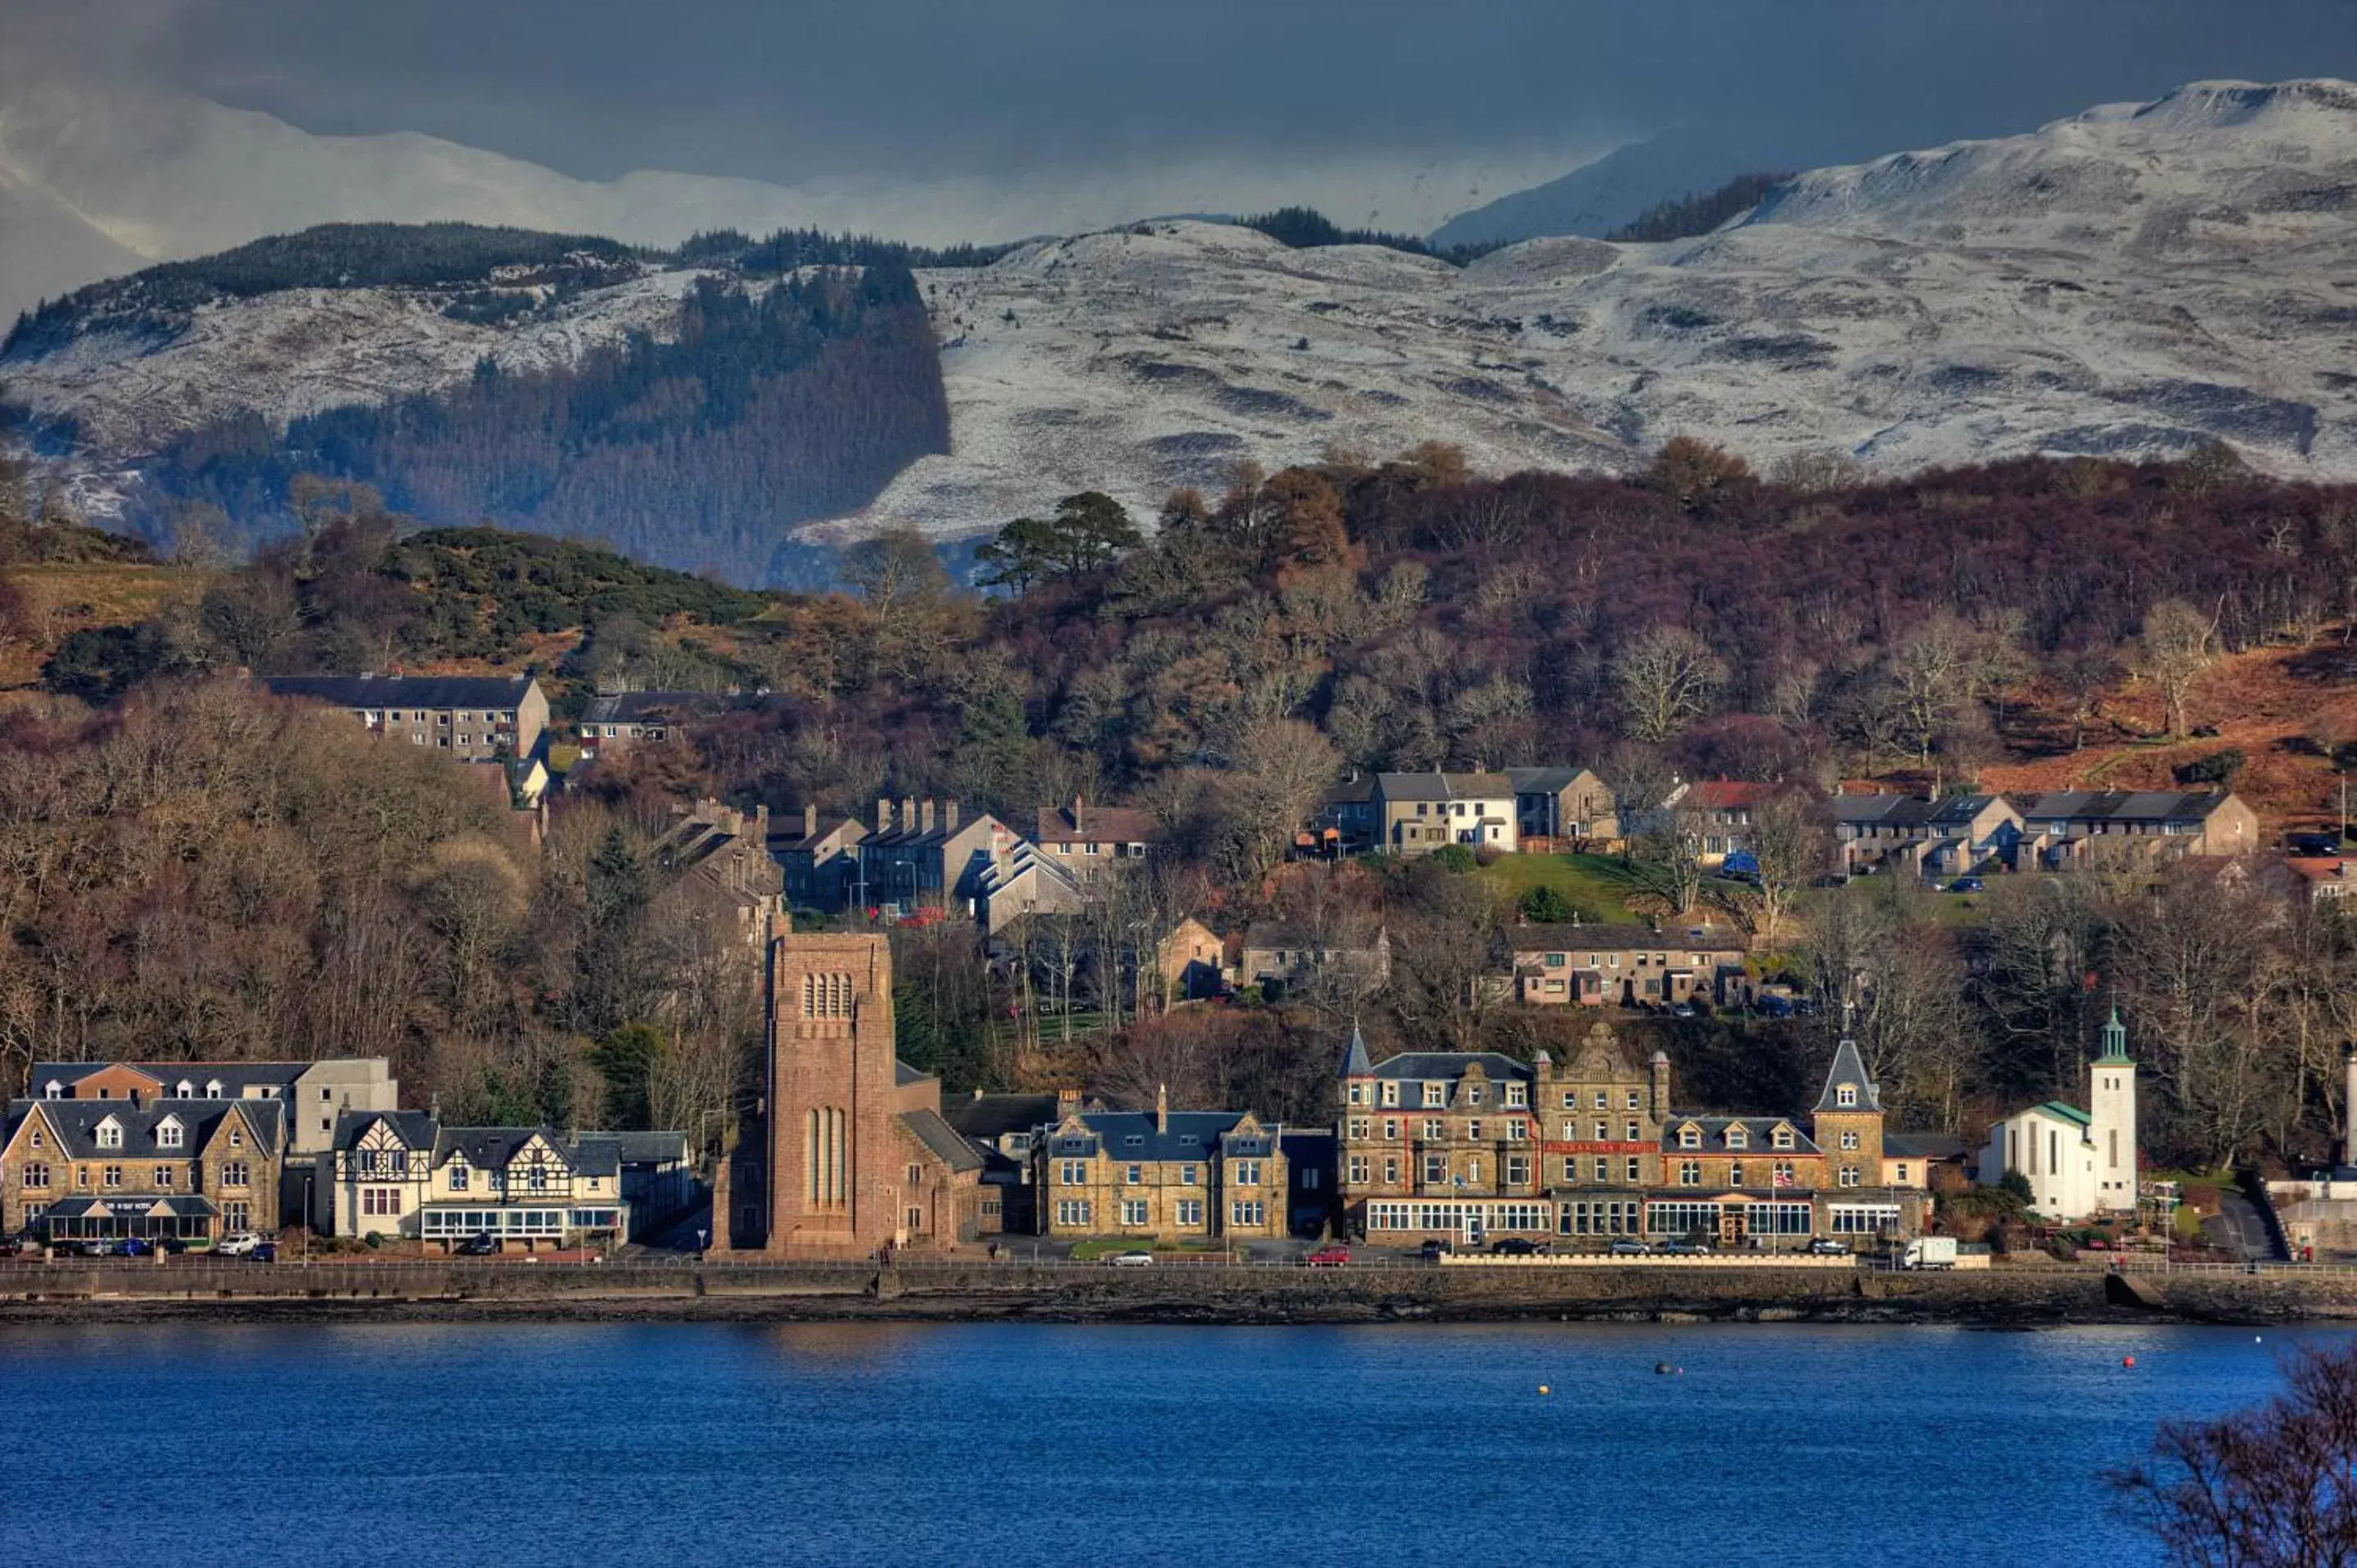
point(2135, 279)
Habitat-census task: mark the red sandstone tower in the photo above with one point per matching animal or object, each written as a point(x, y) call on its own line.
point(832, 1096)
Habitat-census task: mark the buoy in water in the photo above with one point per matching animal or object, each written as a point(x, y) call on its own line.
point(2128, 1360)
point(1660, 1368)
point(1544, 1389)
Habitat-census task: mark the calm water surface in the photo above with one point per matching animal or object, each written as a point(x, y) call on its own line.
point(1014, 1444)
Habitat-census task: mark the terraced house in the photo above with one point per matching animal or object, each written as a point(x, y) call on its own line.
point(473, 717)
point(1625, 966)
point(1469, 1146)
point(401, 1173)
point(1168, 1176)
point(193, 1170)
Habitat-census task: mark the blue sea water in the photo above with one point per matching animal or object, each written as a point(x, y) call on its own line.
point(1010, 1445)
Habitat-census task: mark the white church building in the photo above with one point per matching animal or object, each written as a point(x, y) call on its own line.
point(2079, 1164)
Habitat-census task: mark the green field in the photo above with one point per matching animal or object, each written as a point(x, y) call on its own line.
point(1597, 885)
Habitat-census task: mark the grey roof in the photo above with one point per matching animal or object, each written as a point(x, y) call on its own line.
point(1444, 786)
point(1544, 780)
point(1759, 1135)
point(995, 1115)
point(941, 1138)
point(650, 1148)
point(1354, 1060)
point(2126, 805)
point(1911, 810)
point(235, 1078)
point(405, 690)
point(1923, 1145)
point(1616, 939)
point(642, 707)
point(1848, 1066)
point(489, 1148)
point(76, 1123)
point(179, 1204)
point(414, 1128)
point(1450, 1066)
point(903, 1074)
point(1132, 1136)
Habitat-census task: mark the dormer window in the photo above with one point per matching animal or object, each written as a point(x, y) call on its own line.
point(212, 1088)
point(1434, 1094)
point(1689, 1137)
point(167, 1134)
point(1784, 1138)
point(1474, 1094)
point(53, 1090)
point(1737, 1139)
point(110, 1133)
point(186, 1090)
point(1845, 1095)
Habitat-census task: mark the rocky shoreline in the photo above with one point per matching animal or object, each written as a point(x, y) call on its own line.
point(840, 1294)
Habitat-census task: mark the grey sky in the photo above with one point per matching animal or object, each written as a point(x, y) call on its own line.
point(1474, 96)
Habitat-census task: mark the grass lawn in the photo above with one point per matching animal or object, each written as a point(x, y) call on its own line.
point(1596, 884)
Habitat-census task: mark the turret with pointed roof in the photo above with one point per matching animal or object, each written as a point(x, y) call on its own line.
point(1847, 1121)
point(1355, 1063)
point(1848, 1072)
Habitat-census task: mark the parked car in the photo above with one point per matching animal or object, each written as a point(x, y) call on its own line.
point(263, 1252)
point(237, 1244)
point(1966, 885)
point(1515, 1246)
point(91, 1248)
point(1432, 1251)
point(1687, 1249)
point(1829, 1247)
point(1329, 1258)
point(1629, 1247)
point(2312, 846)
point(478, 1245)
point(12, 1246)
point(1684, 1010)
point(1132, 1260)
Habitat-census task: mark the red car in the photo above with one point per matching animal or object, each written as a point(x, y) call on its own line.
point(1329, 1258)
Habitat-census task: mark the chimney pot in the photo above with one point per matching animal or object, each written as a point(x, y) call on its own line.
point(810, 822)
point(1162, 1108)
point(948, 816)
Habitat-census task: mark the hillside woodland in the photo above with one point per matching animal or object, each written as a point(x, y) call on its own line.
point(1224, 667)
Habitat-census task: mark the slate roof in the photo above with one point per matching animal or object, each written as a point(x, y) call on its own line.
point(1544, 780)
point(1923, 1145)
point(1759, 1135)
point(1445, 786)
point(2124, 805)
point(941, 1138)
point(1910, 810)
point(1848, 1066)
point(1615, 938)
point(650, 1148)
point(904, 1075)
point(182, 1205)
point(431, 691)
point(1132, 1136)
point(235, 1077)
point(487, 1148)
point(76, 1124)
point(1109, 825)
point(643, 707)
point(995, 1115)
point(1450, 1066)
point(1354, 1060)
point(415, 1129)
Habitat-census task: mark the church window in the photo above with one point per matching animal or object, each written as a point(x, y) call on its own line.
point(824, 1152)
point(2115, 1148)
point(826, 997)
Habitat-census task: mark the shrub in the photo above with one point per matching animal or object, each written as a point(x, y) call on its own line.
point(1547, 907)
point(2218, 767)
point(1453, 857)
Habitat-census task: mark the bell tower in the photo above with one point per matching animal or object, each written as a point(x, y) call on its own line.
point(2112, 1118)
point(831, 1093)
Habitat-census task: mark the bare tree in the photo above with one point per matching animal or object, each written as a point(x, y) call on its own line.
point(1792, 846)
point(1666, 677)
point(2179, 643)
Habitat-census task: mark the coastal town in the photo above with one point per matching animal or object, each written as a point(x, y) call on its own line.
point(1588, 1151)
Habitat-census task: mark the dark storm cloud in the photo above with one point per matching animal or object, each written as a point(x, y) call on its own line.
point(783, 91)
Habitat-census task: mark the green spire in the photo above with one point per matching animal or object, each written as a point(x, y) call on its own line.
point(2116, 1043)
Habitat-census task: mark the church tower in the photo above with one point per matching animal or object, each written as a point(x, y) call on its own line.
point(831, 1101)
point(2112, 1118)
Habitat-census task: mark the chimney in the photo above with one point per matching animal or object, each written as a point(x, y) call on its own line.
point(2349, 1110)
point(1068, 1104)
point(908, 813)
point(883, 816)
point(810, 822)
point(1662, 1084)
point(1076, 813)
point(925, 814)
point(1162, 1108)
point(948, 816)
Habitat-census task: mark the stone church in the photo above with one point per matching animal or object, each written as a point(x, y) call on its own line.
point(846, 1152)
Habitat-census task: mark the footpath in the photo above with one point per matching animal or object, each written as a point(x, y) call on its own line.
point(1681, 1290)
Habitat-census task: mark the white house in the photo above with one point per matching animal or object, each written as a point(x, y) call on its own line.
point(401, 1173)
point(2079, 1164)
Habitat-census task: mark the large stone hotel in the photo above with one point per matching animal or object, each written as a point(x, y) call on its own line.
point(1474, 1146)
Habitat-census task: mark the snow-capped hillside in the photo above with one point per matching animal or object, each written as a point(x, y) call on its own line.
point(2136, 279)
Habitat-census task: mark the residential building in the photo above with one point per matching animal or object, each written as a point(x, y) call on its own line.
point(2079, 1163)
point(615, 719)
point(1350, 823)
point(1415, 813)
point(1718, 813)
point(850, 1153)
point(724, 856)
point(1626, 966)
point(472, 717)
point(1312, 1179)
point(405, 1173)
point(1912, 835)
point(1001, 1126)
point(821, 863)
point(659, 1181)
point(1286, 958)
point(2071, 826)
point(1089, 840)
point(1561, 807)
point(1161, 1177)
point(926, 856)
point(1025, 881)
point(2321, 879)
point(1191, 963)
point(103, 1168)
point(1465, 1146)
point(1929, 1162)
